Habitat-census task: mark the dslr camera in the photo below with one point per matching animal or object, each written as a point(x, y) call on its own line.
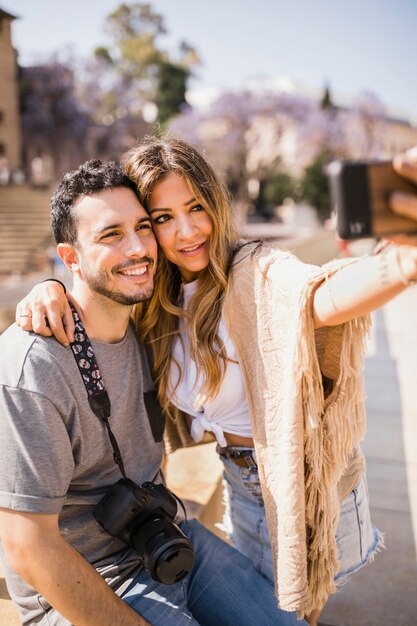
point(142, 516)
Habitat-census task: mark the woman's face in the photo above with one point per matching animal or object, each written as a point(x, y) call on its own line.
point(181, 225)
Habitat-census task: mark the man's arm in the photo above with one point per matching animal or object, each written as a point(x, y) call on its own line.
point(36, 551)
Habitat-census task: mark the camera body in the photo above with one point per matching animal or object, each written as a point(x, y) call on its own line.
point(360, 191)
point(142, 517)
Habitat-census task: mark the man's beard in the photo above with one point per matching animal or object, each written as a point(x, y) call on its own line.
point(98, 283)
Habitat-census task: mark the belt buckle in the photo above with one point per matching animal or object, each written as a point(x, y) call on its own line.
point(246, 456)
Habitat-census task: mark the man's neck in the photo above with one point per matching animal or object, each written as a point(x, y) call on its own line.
point(104, 320)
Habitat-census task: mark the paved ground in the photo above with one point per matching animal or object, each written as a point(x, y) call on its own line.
point(386, 591)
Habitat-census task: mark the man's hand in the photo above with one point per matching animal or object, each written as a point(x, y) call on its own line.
point(36, 551)
point(46, 311)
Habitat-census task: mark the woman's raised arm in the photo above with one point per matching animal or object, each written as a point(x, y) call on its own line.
point(366, 285)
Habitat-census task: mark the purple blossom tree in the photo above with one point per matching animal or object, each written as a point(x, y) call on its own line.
point(367, 123)
point(53, 121)
point(249, 135)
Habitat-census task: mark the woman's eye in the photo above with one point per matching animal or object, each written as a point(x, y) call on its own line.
point(198, 207)
point(161, 219)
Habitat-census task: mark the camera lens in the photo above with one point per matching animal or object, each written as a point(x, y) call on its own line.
point(166, 552)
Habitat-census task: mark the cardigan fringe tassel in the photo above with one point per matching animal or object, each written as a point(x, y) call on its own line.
point(333, 431)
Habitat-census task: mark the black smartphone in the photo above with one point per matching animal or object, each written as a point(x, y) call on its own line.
point(359, 193)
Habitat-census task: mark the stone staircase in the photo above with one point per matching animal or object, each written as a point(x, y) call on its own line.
point(25, 232)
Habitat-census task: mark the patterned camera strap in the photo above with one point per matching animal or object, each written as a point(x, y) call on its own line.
point(98, 397)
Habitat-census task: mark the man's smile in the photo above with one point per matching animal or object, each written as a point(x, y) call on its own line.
point(134, 272)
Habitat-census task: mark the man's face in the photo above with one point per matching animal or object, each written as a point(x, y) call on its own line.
point(116, 248)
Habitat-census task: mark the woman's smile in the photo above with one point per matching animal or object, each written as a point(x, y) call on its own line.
point(194, 250)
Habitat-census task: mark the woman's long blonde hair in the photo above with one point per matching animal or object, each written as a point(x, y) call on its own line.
point(157, 320)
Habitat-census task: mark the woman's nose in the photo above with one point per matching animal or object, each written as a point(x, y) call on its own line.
point(186, 227)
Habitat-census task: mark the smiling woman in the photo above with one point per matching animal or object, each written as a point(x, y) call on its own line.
point(182, 226)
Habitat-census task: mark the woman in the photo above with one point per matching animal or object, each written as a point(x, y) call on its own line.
point(265, 353)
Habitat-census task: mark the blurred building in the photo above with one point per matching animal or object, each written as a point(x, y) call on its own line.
point(10, 129)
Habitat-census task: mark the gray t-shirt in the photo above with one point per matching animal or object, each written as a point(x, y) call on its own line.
point(55, 454)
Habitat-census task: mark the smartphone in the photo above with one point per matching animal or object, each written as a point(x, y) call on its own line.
point(359, 193)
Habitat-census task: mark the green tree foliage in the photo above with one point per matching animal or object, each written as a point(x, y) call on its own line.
point(147, 70)
point(314, 186)
point(134, 30)
point(278, 187)
point(326, 101)
point(170, 96)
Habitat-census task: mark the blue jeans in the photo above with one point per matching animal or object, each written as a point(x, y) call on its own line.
point(223, 588)
point(357, 540)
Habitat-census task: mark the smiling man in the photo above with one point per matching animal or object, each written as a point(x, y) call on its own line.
point(58, 459)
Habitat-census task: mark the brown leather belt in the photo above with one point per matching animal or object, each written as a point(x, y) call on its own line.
point(242, 462)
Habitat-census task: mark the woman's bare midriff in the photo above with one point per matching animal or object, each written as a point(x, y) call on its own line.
point(237, 440)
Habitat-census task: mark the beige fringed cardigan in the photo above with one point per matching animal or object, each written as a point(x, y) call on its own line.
point(307, 445)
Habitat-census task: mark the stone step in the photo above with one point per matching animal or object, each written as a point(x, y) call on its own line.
point(25, 200)
point(11, 238)
point(37, 236)
point(24, 209)
point(14, 220)
point(25, 232)
point(27, 251)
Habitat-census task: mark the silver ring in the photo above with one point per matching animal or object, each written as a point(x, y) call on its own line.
point(22, 315)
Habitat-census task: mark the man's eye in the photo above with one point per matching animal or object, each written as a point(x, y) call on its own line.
point(112, 233)
point(144, 228)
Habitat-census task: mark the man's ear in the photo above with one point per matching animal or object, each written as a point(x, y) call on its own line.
point(69, 256)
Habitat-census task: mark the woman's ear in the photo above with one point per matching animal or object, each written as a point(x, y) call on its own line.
point(69, 256)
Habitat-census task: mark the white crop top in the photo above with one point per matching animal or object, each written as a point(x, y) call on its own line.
point(228, 411)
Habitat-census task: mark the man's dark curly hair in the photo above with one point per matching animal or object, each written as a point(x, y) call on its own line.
point(90, 178)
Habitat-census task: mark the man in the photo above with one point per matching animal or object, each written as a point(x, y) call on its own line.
point(57, 460)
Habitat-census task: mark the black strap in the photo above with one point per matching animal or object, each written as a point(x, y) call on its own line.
point(153, 408)
point(98, 397)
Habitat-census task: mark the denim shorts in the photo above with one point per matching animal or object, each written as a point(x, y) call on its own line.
point(357, 540)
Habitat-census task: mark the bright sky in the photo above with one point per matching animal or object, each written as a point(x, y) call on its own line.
point(353, 45)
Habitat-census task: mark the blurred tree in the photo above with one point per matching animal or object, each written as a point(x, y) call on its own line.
point(242, 134)
point(134, 30)
point(53, 121)
point(314, 186)
point(147, 72)
point(251, 137)
point(115, 108)
point(367, 126)
point(326, 99)
point(277, 188)
point(170, 95)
